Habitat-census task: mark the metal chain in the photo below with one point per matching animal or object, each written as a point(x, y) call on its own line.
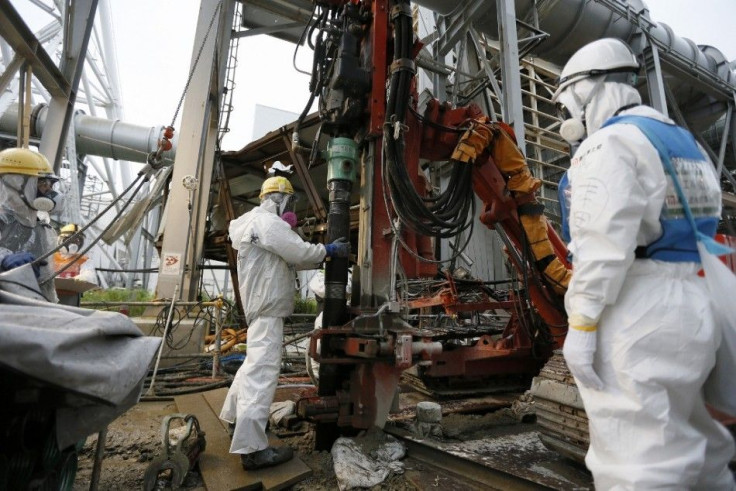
point(196, 61)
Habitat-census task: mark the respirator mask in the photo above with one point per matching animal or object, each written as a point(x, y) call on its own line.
point(286, 209)
point(571, 109)
point(47, 202)
point(284, 202)
point(71, 248)
point(36, 193)
point(285, 206)
point(288, 204)
point(572, 129)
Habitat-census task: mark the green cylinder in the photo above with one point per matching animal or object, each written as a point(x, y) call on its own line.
point(342, 159)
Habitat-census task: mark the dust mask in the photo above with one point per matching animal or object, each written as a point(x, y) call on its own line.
point(290, 218)
point(572, 130)
point(571, 110)
point(42, 203)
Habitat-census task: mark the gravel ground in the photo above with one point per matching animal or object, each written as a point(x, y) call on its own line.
point(134, 439)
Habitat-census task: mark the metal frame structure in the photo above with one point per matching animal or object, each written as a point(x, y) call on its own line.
point(186, 210)
point(83, 76)
point(470, 55)
point(482, 74)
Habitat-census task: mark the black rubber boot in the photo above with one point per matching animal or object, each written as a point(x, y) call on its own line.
point(267, 457)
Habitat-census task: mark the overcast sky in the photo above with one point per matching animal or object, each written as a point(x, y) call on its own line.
point(154, 54)
point(155, 44)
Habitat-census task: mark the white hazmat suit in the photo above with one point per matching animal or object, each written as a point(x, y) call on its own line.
point(268, 253)
point(656, 335)
point(22, 231)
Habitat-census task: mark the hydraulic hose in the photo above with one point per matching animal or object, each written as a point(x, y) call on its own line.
point(448, 213)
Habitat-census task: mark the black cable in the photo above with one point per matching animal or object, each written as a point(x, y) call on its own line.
point(89, 224)
point(447, 214)
point(301, 40)
point(436, 125)
point(397, 233)
point(111, 270)
point(97, 239)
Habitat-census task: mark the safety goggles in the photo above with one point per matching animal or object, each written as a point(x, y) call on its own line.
point(563, 113)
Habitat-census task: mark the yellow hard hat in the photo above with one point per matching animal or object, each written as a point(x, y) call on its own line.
point(25, 161)
point(69, 229)
point(276, 184)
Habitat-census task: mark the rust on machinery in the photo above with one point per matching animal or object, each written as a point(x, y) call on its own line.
point(361, 361)
point(560, 411)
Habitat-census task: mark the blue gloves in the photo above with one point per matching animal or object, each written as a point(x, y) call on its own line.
point(338, 248)
point(18, 259)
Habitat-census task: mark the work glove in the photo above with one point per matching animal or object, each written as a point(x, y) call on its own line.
point(579, 350)
point(17, 259)
point(338, 248)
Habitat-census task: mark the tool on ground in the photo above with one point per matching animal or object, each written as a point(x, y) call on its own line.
point(182, 447)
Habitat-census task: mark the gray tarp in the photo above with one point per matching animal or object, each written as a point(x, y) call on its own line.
point(100, 358)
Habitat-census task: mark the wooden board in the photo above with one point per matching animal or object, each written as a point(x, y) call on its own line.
point(73, 286)
point(222, 470)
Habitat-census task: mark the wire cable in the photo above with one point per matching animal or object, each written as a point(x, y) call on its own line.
point(444, 215)
point(97, 239)
point(79, 232)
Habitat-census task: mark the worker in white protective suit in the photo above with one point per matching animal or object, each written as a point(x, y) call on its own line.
point(642, 337)
point(268, 253)
point(72, 266)
point(26, 190)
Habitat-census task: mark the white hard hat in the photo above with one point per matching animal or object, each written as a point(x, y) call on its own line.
point(607, 55)
point(278, 166)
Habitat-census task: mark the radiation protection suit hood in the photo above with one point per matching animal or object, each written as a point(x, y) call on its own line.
point(657, 338)
point(11, 201)
point(268, 252)
point(592, 101)
point(20, 229)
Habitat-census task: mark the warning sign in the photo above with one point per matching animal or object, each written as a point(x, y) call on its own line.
point(170, 264)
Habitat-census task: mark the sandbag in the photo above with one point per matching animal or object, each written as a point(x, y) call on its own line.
point(366, 461)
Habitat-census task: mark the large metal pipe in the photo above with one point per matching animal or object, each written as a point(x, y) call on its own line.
point(571, 24)
point(97, 136)
point(342, 155)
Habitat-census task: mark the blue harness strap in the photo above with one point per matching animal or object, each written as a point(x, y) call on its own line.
point(679, 233)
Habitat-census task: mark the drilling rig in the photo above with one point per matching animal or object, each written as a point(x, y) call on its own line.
point(378, 129)
point(409, 177)
point(386, 146)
